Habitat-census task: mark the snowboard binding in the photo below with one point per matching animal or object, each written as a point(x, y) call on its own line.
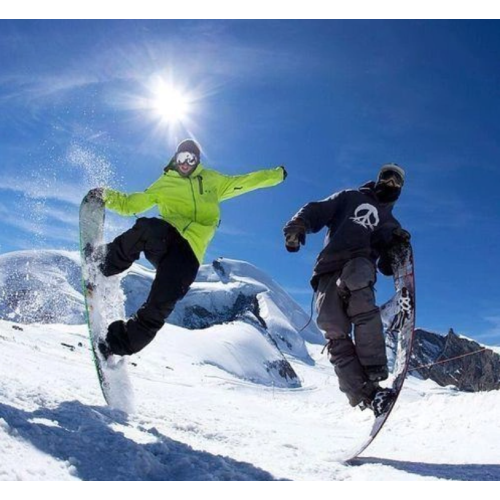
point(382, 401)
point(104, 349)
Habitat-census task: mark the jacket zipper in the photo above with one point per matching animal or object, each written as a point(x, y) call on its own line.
point(194, 202)
point(200, 184)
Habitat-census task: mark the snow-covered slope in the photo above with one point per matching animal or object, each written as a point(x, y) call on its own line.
point(234, 317)
point(214, 398)
point(45, 287)
point(199, 422)
point(42, 287)
point(230, 290)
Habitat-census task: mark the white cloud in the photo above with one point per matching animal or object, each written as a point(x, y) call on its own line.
point(38, 187)
point(492, 335)
point(68, 217)
point(44, 233)
point(307, 290)
point(89, 169)
point(42, 221)
point(232, 230)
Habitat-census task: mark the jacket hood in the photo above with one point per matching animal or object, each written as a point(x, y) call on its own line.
point(368, 187)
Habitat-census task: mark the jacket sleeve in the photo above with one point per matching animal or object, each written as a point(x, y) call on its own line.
point(133, 203)
point(319, 214)
point(230, 186)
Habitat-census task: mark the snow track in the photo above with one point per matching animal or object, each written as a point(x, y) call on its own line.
point(197, 422)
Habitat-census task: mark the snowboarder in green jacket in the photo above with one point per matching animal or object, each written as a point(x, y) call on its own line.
point(188, 198)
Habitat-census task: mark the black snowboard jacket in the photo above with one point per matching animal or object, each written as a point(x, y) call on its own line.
point(358, 226)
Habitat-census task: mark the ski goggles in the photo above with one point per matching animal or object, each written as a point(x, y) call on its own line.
point(391, 177)
point(186, 158)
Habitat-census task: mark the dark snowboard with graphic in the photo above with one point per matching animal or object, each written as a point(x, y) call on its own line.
point(399, 323)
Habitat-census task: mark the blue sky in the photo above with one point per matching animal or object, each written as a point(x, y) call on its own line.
point(331, 100)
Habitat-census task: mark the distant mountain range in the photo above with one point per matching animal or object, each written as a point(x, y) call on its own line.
point(455, 360)
point(45, 287)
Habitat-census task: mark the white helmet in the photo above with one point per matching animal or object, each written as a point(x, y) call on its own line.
point(391, 170)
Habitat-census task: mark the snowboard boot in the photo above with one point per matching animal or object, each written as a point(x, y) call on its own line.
point(94, 253)
point(377, 373)
point(382, 401)
point(104, 349)
point(117, 339)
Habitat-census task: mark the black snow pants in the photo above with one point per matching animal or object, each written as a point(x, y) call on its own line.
point(176, 268)
point(345, 299)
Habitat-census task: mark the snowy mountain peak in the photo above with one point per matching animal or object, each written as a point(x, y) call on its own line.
point(45, 287)
point(239, 319)
point(41, 287)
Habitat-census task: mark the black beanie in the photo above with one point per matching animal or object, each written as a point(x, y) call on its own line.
point(187, 145)
point(190, 146)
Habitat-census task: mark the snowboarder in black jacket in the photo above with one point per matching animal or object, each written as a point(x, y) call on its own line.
point(361, 231)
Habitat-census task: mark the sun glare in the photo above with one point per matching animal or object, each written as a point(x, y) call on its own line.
point(170, 104)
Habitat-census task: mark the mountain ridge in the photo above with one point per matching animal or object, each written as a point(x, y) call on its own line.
point(45, 287)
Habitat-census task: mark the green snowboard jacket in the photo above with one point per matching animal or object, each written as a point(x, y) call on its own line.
point(191, 204)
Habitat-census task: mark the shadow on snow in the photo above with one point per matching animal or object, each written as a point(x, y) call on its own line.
point(84, 437)
point(458, 472)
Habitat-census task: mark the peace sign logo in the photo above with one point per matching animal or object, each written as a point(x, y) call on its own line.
point(366, 215)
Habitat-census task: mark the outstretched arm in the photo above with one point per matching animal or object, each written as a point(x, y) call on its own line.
point(317, 214)
point(236, 185)
point(130, 204)
point(309, 219)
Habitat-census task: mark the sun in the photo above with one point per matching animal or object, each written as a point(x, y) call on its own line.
point(170, 104)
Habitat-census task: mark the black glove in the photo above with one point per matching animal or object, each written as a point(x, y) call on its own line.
point(400, 236)
point(285, 173)
point(295, 234)
point(96, 194)
point(385, 241)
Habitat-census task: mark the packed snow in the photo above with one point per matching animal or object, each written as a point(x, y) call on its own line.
point(208, 409)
